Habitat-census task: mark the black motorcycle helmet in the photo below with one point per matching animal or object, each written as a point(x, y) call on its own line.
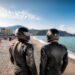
point(52, 34)
point(22, 34)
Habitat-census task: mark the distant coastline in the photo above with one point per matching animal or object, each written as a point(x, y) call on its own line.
point(36, 32)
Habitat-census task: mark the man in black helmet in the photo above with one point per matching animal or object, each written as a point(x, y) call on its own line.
point(22, 53)
point(54, 56)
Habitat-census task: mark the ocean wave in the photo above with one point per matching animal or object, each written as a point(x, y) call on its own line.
point(43, 42)
point(70, 53)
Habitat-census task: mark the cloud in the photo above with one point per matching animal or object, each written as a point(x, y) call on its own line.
point(38, 25)
point(21, 15)
point(71, 30)
point(68, 29)
point(61, 27)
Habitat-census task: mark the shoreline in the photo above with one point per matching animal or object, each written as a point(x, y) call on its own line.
point(6, 68)
point(71, 55)
point(70, 69)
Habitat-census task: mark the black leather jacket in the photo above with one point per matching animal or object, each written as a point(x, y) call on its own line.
point(54, 59)
point(22, 56)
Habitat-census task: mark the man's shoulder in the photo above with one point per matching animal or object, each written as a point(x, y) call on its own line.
point(30, 46)
point(45, 47)
point(63, 46)
point(13, 44)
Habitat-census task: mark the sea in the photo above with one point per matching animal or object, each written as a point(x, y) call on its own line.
point(69, 42)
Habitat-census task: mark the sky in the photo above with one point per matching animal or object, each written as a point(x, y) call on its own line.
point(38, 14)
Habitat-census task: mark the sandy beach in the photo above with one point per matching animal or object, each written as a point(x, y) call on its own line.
point(6, 68)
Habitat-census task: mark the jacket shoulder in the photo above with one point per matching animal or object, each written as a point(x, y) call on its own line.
point(63, 46)
point(44, 47)
point(13, 44)
point(30, 46)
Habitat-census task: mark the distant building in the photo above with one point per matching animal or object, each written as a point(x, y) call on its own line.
point(6, 33)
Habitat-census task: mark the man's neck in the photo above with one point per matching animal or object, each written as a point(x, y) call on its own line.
point(54, 41)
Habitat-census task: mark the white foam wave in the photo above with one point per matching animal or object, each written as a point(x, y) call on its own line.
point(43, 42)
point(71, 54)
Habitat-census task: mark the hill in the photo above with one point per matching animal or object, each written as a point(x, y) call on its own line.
point(39, 32)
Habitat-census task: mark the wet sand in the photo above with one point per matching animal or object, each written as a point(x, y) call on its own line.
point(6, 68)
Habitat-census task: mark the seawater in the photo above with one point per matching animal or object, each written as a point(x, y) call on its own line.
point(69, 42)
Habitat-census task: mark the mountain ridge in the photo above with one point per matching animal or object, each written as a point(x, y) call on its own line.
point(38, 32)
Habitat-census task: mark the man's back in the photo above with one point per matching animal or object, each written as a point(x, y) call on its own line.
point(22, 58)
point(53, 59)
